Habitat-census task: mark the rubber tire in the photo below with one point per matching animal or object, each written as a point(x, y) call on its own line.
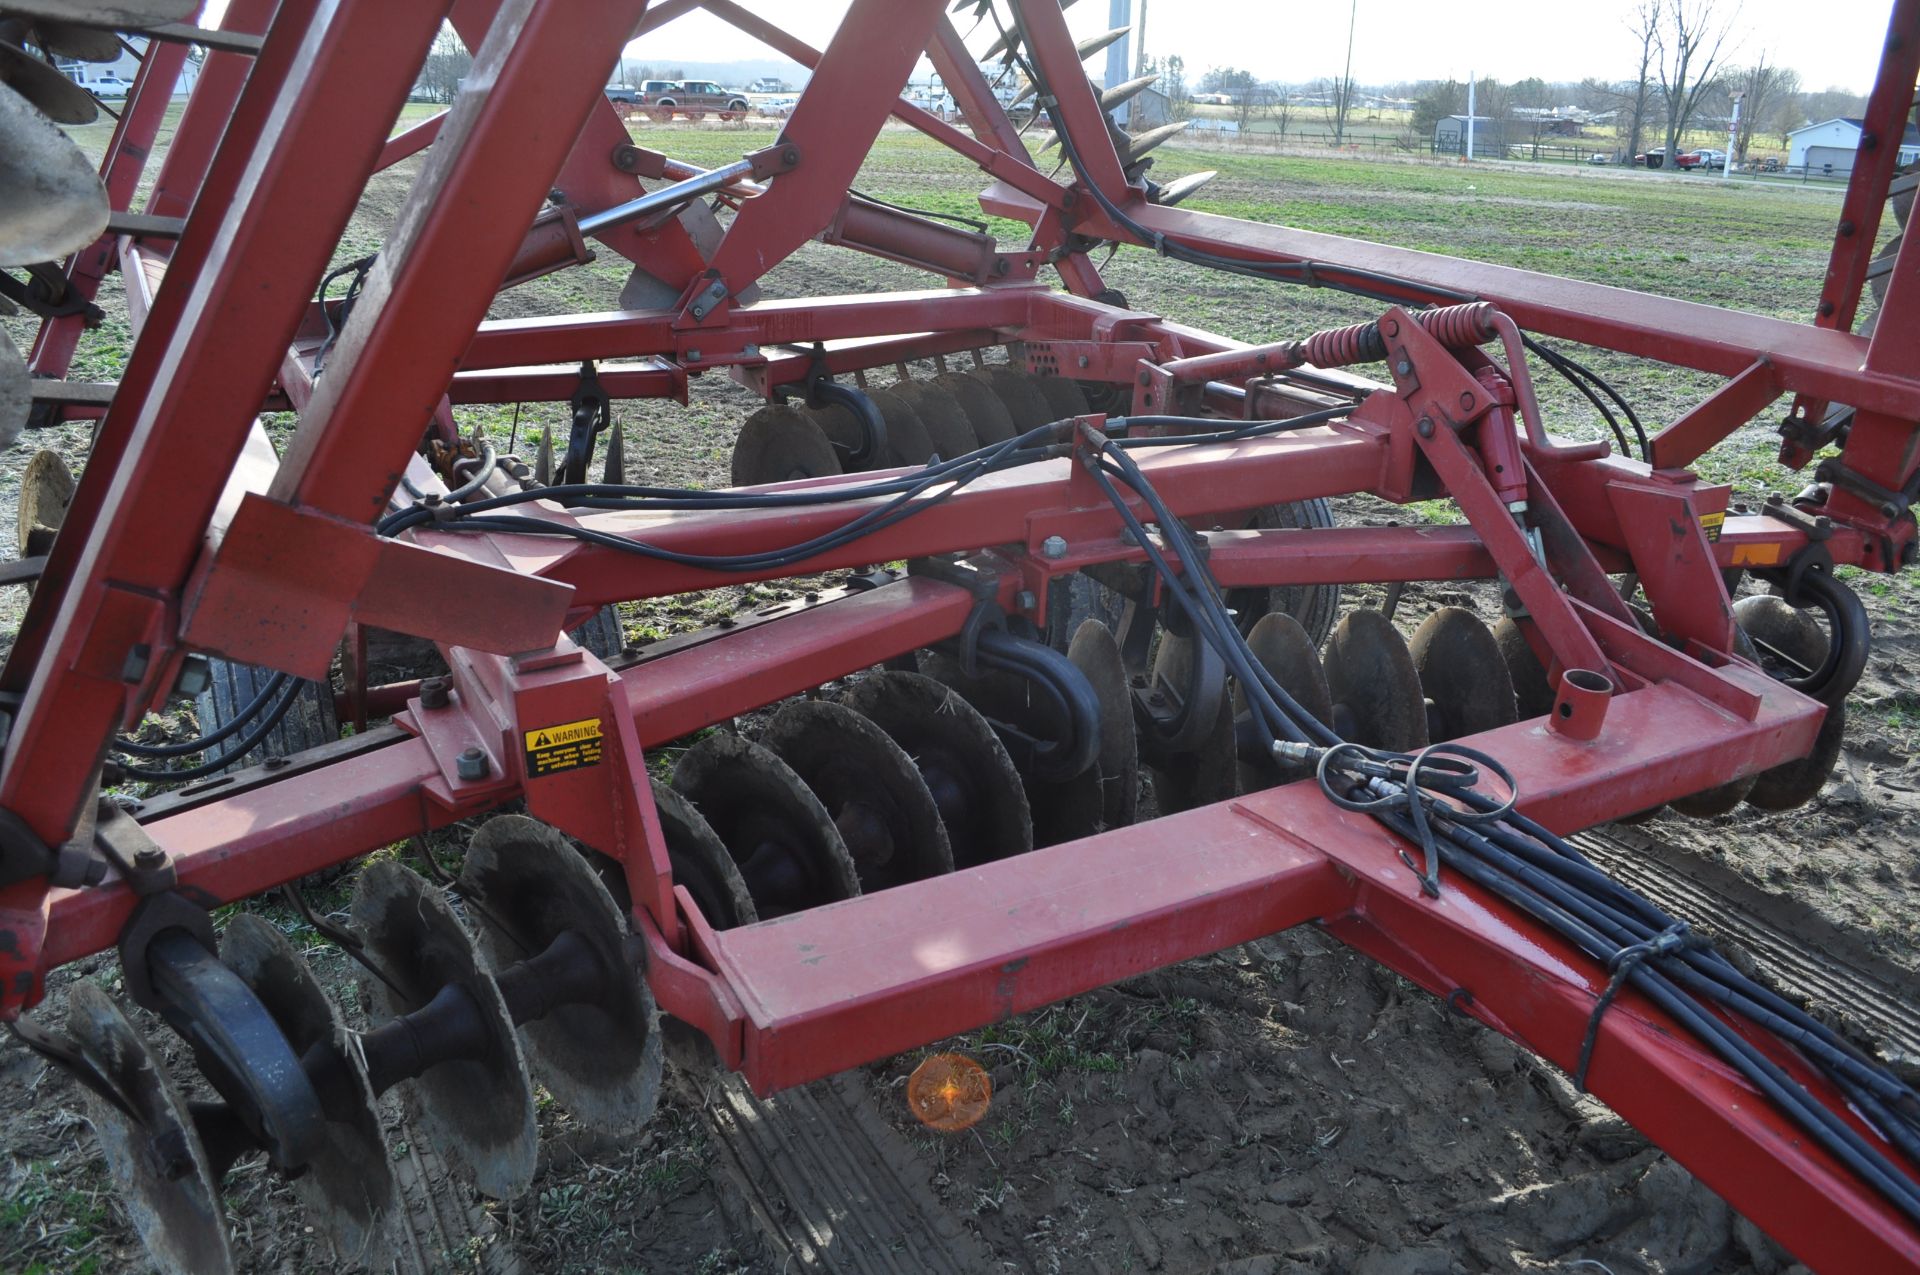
point(1316, 606)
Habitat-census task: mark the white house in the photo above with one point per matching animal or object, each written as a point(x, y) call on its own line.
point(1830, 146)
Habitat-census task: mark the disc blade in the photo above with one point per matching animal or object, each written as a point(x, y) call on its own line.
point(38, 81)
point(51, 201)
point(349, 1185)
point(1789, 643)
point(1063, 397)
point(908, 440)
point(1375, 688)
point(82, 44)
point(479, 1110)
point(46, 489)
point(1096, 653)
point(1025, 404)
point(1463, 675)
point(1282, 647)
point(701, 863)
point(1207, 772)
point(1062, 809)
point(973, 781)
point(1533, 697)
point(146, 13)
point(601, 1057)
point(991, 421)
point(780, 836)
point(153, 1155)
point(778, 444)
point(945, 421)
point(16, 395)
point(882, 807)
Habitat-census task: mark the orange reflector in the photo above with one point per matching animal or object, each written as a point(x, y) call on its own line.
point(949, 1092)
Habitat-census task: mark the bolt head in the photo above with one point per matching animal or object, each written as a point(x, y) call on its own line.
point(1025, 600)
point(1425, 426)
point(436, 692)
point(472, 764)
point(151, 857)
point(1054, 547)
point(1403, 367)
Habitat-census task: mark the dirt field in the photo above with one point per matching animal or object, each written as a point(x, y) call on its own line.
point(1281, 1106)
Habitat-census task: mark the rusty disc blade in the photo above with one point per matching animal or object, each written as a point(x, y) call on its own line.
point(701, 863)
point(41, 83)
point(779, 443)
point(95, 13)
point(16, 398)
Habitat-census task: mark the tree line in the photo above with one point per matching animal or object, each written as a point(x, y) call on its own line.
point(1685, 76)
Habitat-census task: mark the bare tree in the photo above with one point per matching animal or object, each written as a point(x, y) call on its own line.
point(1762, 88)
point(1638, 95)
point(1249, 104)
point(1279, 109)
point(1691, 40)
point(447, 64)
point(1340, 93)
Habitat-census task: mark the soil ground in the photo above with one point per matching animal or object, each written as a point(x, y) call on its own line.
point(1285, 1105)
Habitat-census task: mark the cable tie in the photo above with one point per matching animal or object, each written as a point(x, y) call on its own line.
point(1622, 964)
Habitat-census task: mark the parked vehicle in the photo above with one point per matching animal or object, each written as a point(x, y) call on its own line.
point(1652, 157)
point(110, 86)
point(691, 99)
point(622, 94)
point(1706, 160)
point(1599, 157)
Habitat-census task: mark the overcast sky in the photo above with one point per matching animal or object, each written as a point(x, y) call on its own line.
point(1832, 43)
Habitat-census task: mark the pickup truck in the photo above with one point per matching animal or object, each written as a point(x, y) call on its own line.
point(664, 99)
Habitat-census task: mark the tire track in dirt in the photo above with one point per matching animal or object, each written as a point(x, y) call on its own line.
point(1808, 957)
point(828, 1183)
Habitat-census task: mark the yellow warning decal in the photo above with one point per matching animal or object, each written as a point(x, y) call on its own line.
point(568, 746)
point(1711, 524)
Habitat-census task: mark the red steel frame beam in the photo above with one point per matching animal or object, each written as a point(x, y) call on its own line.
point(262, 251)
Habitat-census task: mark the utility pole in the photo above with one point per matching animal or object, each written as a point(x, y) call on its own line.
point(1140, 33)
point(1733, 135)
point(1469, 154)
point(1345, 103)
point(1119, 14)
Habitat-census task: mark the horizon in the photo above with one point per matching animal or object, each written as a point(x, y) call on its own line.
point(1395, 43)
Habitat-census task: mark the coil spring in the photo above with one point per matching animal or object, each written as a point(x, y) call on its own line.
point(1454, 326)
